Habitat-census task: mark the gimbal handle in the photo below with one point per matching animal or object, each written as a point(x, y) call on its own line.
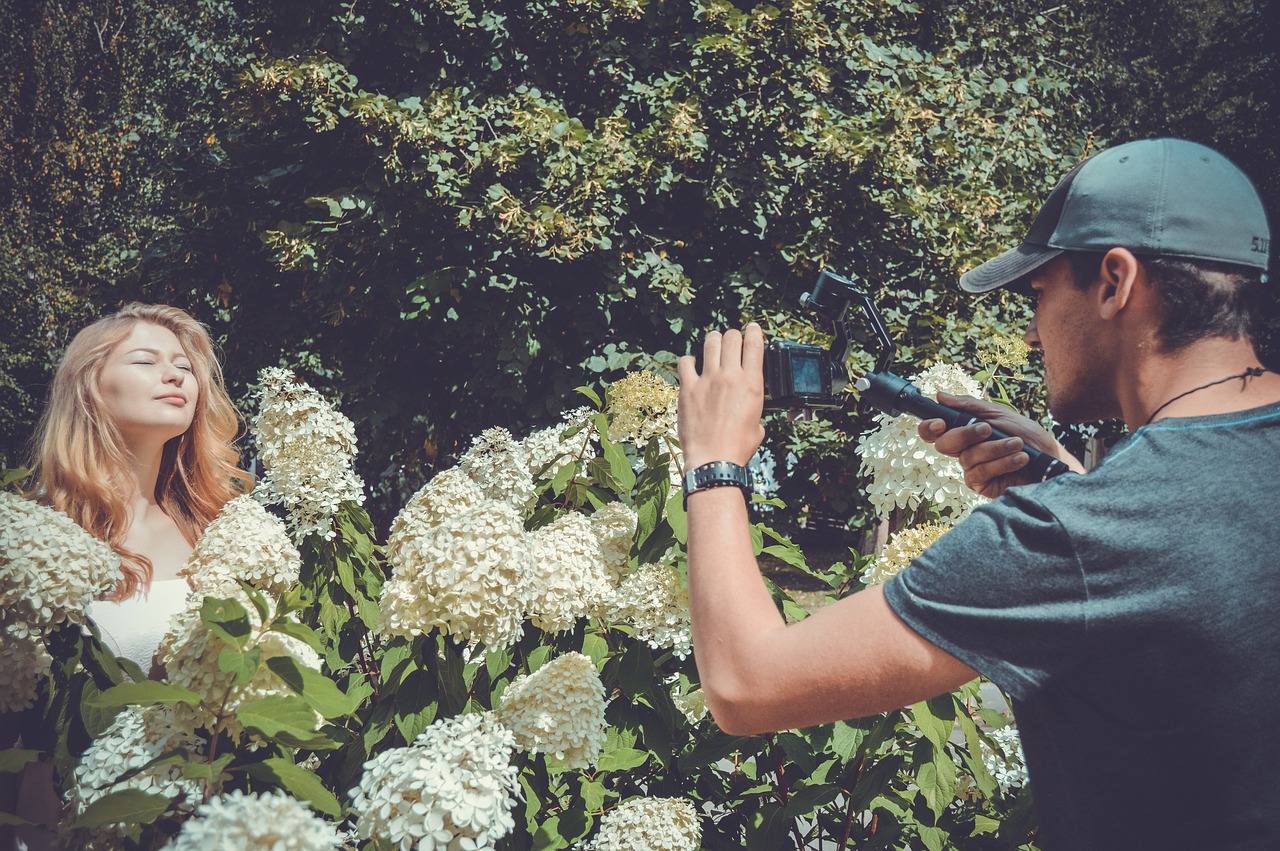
point(895, 395)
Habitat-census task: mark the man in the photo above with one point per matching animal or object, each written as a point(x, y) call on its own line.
point(1130, 611)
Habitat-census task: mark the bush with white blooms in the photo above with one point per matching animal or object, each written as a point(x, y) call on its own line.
point(512, 668)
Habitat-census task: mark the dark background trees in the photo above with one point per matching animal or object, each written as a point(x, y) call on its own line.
point(450, 214)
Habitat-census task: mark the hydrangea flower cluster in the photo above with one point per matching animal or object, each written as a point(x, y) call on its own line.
point(50, 570)
point(273, 820)
point(469, 576)
point(655, 824)
point(655, 602)
point(500, 466)
point(573, 439)
point(244, 542)
point(308, 449)
point(453, 788)
point(138, 735)
point(189, 653)
point(24, 663)
point(904, 547)
point(615, 526)
point(1005, 350)
point(906, 471)
point(1008, 764)
point(573, 579)
point(559, 710)
point(692, 704)
point(641, 405)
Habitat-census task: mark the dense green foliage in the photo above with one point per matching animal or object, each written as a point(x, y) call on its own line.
point(446, 211)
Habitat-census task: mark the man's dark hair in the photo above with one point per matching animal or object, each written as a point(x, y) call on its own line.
point(1202, 299)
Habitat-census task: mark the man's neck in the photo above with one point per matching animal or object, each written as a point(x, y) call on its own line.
point(1159, 381)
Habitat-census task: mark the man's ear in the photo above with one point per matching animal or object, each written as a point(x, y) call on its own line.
point(1118, 275)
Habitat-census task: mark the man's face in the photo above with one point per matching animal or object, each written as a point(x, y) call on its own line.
point(1066, 329)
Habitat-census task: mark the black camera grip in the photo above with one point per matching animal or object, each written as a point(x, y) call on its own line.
point(895, 395)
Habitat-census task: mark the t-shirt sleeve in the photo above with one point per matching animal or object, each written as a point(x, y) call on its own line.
point(1003, 592)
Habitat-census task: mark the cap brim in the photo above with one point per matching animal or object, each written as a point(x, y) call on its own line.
point(1015, 263)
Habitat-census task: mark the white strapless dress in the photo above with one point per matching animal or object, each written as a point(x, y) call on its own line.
point(133, 628)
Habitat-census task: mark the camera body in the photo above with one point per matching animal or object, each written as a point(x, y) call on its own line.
point(800, 375)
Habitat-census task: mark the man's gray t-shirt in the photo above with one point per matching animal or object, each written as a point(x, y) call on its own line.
point(1133, 615)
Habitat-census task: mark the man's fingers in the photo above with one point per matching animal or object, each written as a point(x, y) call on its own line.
point(687, 369)
point(980, 477)
point(753, 349)
point(731, 349)
point(957, 440)
point(711, 352)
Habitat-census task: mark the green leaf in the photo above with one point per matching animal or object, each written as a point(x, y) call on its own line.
point(595, 647)
point(936, 719)
point(285, 719)
point(320, 692)
point(226, 619)
point(678, 518)
point(984, 824)
point(145, 693)
point(127, 806)
point(243, 664)
point(622, 759)
point(593, 795)
point(257, 599)
point(13, 760)
point(415, 703)
point(619, 466)
point(208, 772)
point(290, 627)
point(936, 777)
point(297, 781)
point(933, 838)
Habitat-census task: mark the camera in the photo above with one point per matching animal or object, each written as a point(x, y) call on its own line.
point(799, 375)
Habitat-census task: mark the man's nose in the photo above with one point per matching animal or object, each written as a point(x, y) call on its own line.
point(1032, 335)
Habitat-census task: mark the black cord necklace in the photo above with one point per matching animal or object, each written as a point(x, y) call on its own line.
point(1251, 372)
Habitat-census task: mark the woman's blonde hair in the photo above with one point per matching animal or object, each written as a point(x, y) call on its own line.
point(80, 462)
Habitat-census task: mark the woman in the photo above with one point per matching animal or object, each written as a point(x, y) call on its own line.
point(135, 445)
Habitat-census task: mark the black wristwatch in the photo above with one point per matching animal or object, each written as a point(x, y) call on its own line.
point(715, 475)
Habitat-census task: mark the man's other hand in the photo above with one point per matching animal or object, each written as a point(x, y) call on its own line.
point(992, 466)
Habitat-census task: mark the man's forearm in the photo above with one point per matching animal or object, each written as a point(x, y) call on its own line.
point(731, 607)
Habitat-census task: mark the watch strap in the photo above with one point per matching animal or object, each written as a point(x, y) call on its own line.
point(715, 475)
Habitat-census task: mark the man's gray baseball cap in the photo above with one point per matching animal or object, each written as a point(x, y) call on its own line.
point(1167, 197)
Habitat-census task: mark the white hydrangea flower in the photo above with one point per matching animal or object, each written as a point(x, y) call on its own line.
point(138, 735)
point(500, 466)
point(641, 405)
point(189, 653)
point(469, 576)
point(1008, 764)
point(308, 449)
point(453, 788)
point(908, 472)
point(548, 450)
point(615, 525)
point(693, 704)
point(449, 493)
point(654, 824)
point(571, 577)
point(24, 662)
point(244, 542)
point(558, 710)
point(50, 568)
point(655, 602)
point(904, 546)
point(237, 821)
